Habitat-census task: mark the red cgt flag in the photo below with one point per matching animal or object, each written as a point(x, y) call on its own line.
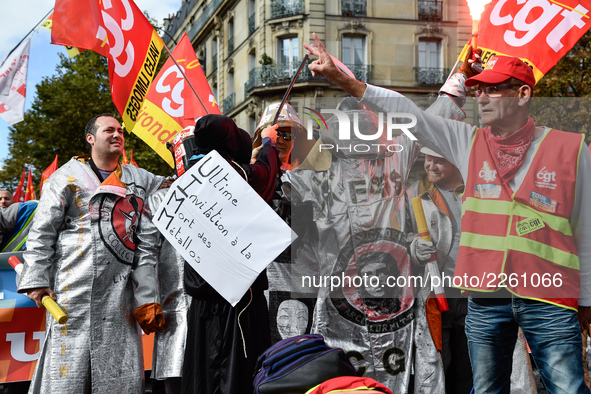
point(537, 32)
point(19, 193)
point(118, 30)
point(171, 104)
point(30, 194)
point(47, 173)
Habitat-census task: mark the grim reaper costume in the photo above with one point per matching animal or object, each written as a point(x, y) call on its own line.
point(81, 245)
point(224, 342)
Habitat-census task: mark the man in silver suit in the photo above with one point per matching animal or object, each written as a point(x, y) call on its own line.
point(80, 252)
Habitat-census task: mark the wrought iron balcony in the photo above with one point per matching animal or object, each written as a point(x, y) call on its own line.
point(282, 73)
point(426, 76)
point(354, 7)
point(230, 45)
point(430, 10)
point(283, 8)
point(205, 16)
point(228, 103)
point(362, 72)
point(251, 26)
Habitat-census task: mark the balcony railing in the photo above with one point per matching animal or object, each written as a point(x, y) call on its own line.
point(205, 16)
point(228, 103)
point(283, 8)
point(282, 73)
point(430, 10)
point(426, 76)
point(354, 7)
point(251, 25)
point(230, 45)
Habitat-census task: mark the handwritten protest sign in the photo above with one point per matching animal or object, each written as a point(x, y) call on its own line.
point(221, 226)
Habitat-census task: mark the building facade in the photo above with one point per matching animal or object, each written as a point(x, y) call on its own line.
point(250, 49)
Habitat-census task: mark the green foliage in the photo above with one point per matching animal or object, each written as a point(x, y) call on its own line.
point(55, 123)
point(265, 60)
point(562, 99)
point(570, 77)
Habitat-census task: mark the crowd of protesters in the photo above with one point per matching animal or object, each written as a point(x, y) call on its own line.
point(508, 198)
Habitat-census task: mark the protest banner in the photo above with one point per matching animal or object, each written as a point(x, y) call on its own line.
point(221, 226)
point(22, 325)
point(539, 32)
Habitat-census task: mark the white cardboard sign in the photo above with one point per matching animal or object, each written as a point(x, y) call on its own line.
point(221, 226)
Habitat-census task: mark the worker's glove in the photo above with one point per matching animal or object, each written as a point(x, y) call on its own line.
point(150, 317)
point(471, 67)
point(422, 250)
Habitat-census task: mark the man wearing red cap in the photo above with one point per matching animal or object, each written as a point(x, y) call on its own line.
point(523, 254)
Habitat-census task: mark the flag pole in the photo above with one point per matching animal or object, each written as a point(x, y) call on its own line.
point(25, 37)
point(297, 74)
point(186, 79)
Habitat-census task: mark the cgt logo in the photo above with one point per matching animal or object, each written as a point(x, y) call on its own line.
point(546, 176)
point(487, 173)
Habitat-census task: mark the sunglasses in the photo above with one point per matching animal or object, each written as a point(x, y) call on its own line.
point(492, 90)
point(286, 135)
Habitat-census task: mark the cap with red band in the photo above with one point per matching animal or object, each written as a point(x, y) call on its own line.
point(500, 68)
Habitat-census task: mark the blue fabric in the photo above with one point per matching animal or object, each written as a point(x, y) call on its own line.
point(269, 140)
point(25, 210)
point(552, 333)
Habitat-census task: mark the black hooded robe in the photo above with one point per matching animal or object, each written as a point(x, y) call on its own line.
point(218, 334)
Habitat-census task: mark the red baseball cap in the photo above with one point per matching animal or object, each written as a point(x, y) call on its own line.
point(501, 68)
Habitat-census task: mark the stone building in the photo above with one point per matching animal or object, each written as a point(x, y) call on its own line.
point(250, 49)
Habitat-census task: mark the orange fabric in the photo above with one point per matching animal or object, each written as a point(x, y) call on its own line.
point(115, 178)
point(434, 322)
point(349, 384)
point(150, 318)
point(47, 173)
point(124, 160)
point(30, 193)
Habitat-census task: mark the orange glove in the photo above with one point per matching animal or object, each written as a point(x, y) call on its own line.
point(471, 67)
point(150, 318)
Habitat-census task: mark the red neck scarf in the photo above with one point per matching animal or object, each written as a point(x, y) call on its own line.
point(508, 153)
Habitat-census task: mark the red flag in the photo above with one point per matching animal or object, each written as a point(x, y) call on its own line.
point(171, 104)
point(47, 173)
point(30, 194)
point(131, 161)
point(120, 32)
point(72, 51)
point(124, 160)
point(19, 193)
point(538, 32)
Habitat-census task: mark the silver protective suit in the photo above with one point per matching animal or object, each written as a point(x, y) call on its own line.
point(359, 209)
point(82, 245)
point(154, 249)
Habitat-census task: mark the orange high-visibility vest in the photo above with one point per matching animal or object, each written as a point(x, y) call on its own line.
point(522, 240)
